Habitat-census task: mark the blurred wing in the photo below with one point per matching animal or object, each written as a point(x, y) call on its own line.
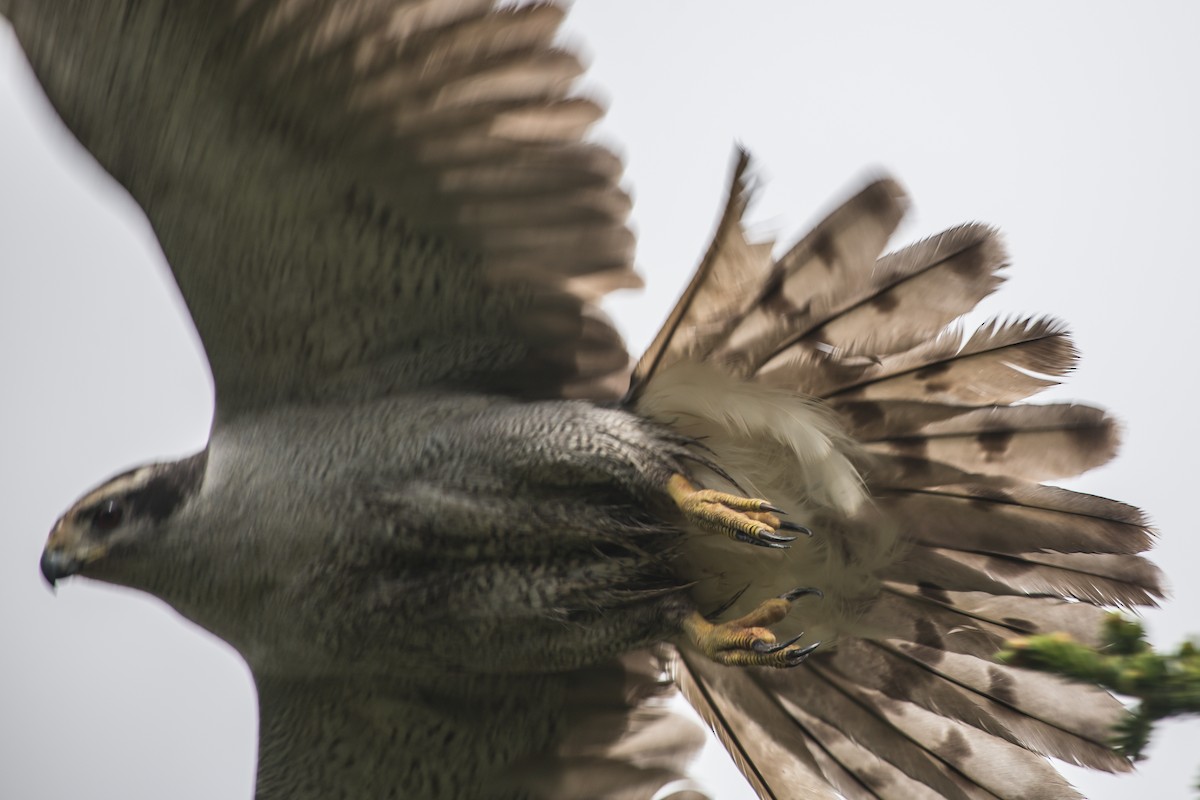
point(830, 373)
point(622, 740)
point(602, 732)
point(356, 196)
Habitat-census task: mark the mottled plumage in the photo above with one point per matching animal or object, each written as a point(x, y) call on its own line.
point(956, 548)
point(443, 523)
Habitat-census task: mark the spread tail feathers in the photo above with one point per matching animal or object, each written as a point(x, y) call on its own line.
point(832, 381)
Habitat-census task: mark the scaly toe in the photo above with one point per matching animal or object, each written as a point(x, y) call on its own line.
point(748, 641)
point(743, 519)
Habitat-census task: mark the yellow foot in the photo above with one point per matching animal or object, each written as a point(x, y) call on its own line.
point(747, 641)
point(741, 518)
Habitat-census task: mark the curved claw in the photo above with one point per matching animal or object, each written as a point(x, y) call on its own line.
point(742, 537)
point(786, 654)
point(761, 646)
point(801, 591)
point(792, 526)
point(765, 539)
point(797, 657)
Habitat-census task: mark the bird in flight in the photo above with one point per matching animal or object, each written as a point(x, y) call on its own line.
point(465, 543)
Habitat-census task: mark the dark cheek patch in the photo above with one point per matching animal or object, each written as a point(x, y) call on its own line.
point(167, 490)
point(157, 500)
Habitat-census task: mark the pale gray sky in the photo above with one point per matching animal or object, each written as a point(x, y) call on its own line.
point(1073, 126)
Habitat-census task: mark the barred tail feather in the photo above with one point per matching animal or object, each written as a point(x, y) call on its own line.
point(997, 699)
point(829, 382)
point(758, 734)
point(1034, 442)
point(1122, 580)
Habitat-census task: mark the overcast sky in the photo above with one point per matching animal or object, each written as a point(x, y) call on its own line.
point(1073, 126)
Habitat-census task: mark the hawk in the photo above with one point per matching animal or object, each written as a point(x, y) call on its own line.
point(461, 544)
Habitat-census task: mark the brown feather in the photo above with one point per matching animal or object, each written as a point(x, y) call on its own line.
point(984, 765)
point(1055, 718)
point(840, 248)
point(908, 296)
point(621, 740)
point(760, 737)
point(974, 623)
point(432, 149)
point(1125, 580)
point(979, 518)
point(854, 769)
point(959, 549)
point(1026, 441)
point(731, 269)
point(1002, 362)
point(820, 695)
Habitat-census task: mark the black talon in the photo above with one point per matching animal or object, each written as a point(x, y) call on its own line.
point(760, 646)
point(771, 508)
point(796, 657)
point(761, 542)
point(775, 537)
point(801, 591)
point(792, 526)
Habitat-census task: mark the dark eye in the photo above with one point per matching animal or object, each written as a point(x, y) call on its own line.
point(108, 515)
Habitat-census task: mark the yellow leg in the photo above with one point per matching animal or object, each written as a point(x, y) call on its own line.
point(747, 641)
point(741, 518)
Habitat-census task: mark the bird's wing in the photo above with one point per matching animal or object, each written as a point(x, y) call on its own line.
point(957, 547)
point(356, 196)
point(604, 731)
point(622, 740)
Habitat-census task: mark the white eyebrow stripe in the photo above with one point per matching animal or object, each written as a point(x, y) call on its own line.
point(117, 486)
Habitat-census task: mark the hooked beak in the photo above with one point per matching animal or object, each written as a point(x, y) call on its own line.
point(58, 564)
point(67, 552)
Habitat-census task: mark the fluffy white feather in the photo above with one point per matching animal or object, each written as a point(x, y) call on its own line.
point(744, 422)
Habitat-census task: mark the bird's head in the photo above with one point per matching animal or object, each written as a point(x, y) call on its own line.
point(117, 526)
